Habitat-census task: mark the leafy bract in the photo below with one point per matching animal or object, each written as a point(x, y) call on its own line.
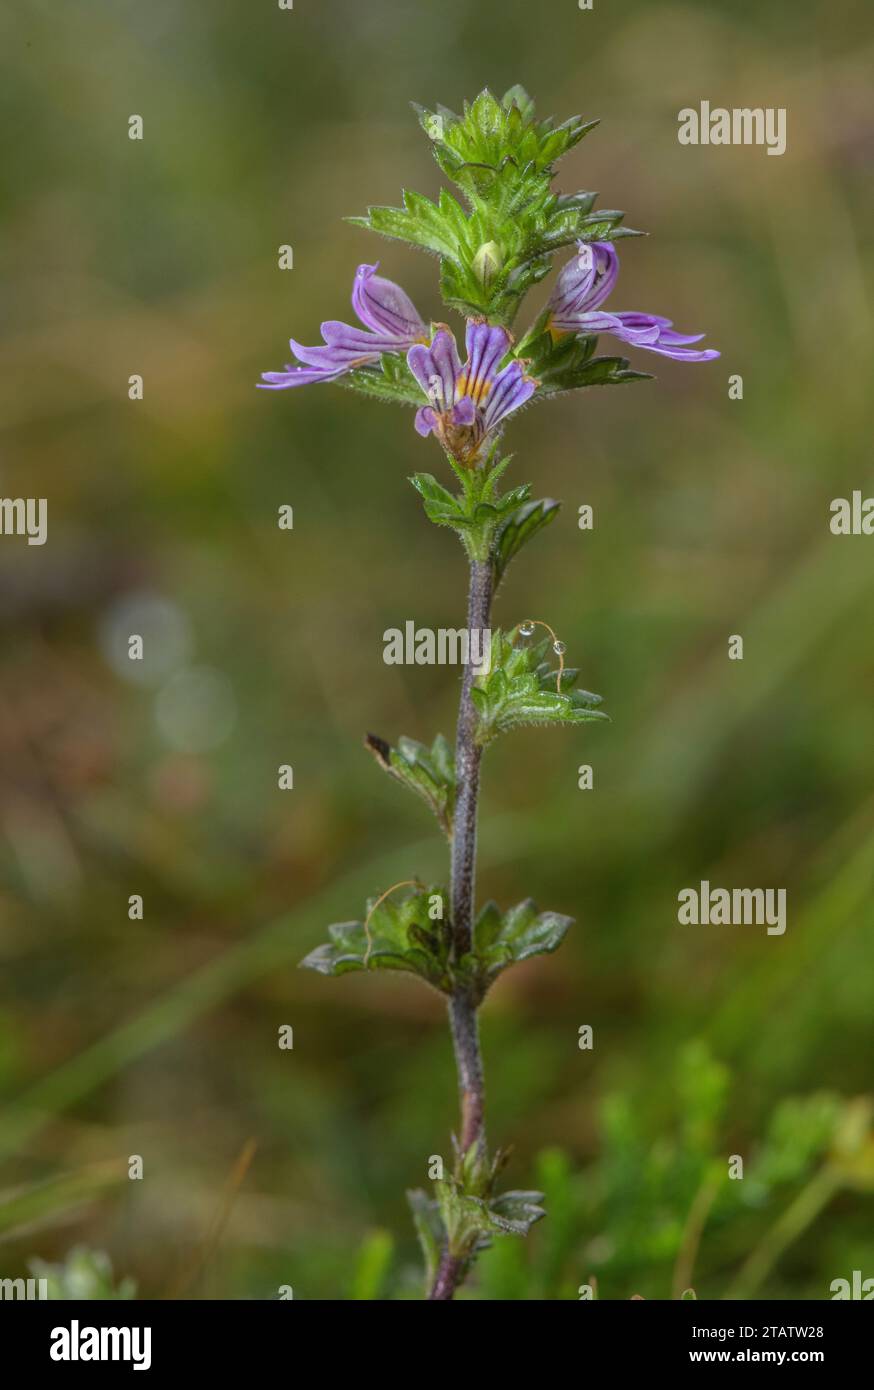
point(521, 687)
point(412, 933)
point(391, 380)
point(568, 362)
point(428, 772)
point(499, 241)
point(503, 939)
point(519, 528)
point(401, 934)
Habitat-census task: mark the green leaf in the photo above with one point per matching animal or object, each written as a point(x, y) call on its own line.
point(519, 529)
point(475, 513)
point(520, 688)
point(516, 1212)
point(400, 935)
point(392, 381)
point(429, 773)
point(471, 1221)
point(518, 97)
point(580, 202)
point(437, 227)
point(488, 927)
point(466, 1218)
point(571, 221)
point(440, 505)
point(567, 362)
point(597, 371)
point(503, 940)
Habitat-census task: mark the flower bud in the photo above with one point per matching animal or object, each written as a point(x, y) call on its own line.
point(487, 262)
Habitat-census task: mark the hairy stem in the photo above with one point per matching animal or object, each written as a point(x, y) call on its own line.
point(468, 756)
point(449, 1276)
point(469, 1064)
point(462, 1006)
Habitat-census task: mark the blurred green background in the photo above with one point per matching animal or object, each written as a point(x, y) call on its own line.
point(158, 1037)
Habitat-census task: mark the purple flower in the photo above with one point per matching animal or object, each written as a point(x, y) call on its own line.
point(467, 403)
point(584, 284)
point(392, 324)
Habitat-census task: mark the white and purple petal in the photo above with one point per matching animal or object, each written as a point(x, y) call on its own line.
point(582, 287)
point(510, 390)
point(684, 354)
point(599, 322)
point(437, 369)
point(426, 420)
point(583, 284)
point(487, 345)
point(337, 356)
point(344, 337)
point(655, 334)
point(297, 376)
point(463, 412)
point(569, 294)
point(385, 308)
point(667, 337)
point(392, 325)
point(606, 271)
point(344, 349)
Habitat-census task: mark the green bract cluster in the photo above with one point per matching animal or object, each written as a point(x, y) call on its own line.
point(465, 1214)
point(408, 934)
point(489, 524)
point(521, 687)
point(499, 241)
point(429, 772)
point(568, 363)
point(414, 934)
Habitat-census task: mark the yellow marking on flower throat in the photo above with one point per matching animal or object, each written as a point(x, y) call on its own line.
point(404, 883)
point(477, 388)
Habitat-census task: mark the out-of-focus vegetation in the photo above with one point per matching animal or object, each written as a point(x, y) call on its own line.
point(84, 1274)
point(158, 1037)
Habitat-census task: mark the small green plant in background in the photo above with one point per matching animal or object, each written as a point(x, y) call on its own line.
point(83, 1274)
point(493, 246)
point(660, 1218)
point(654, 1215)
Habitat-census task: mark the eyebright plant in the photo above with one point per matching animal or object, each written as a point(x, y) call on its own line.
point(493, 244)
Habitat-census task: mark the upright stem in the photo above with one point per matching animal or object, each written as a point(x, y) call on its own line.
point(462, 1006)
point(449, 1276)
point(468, 756)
